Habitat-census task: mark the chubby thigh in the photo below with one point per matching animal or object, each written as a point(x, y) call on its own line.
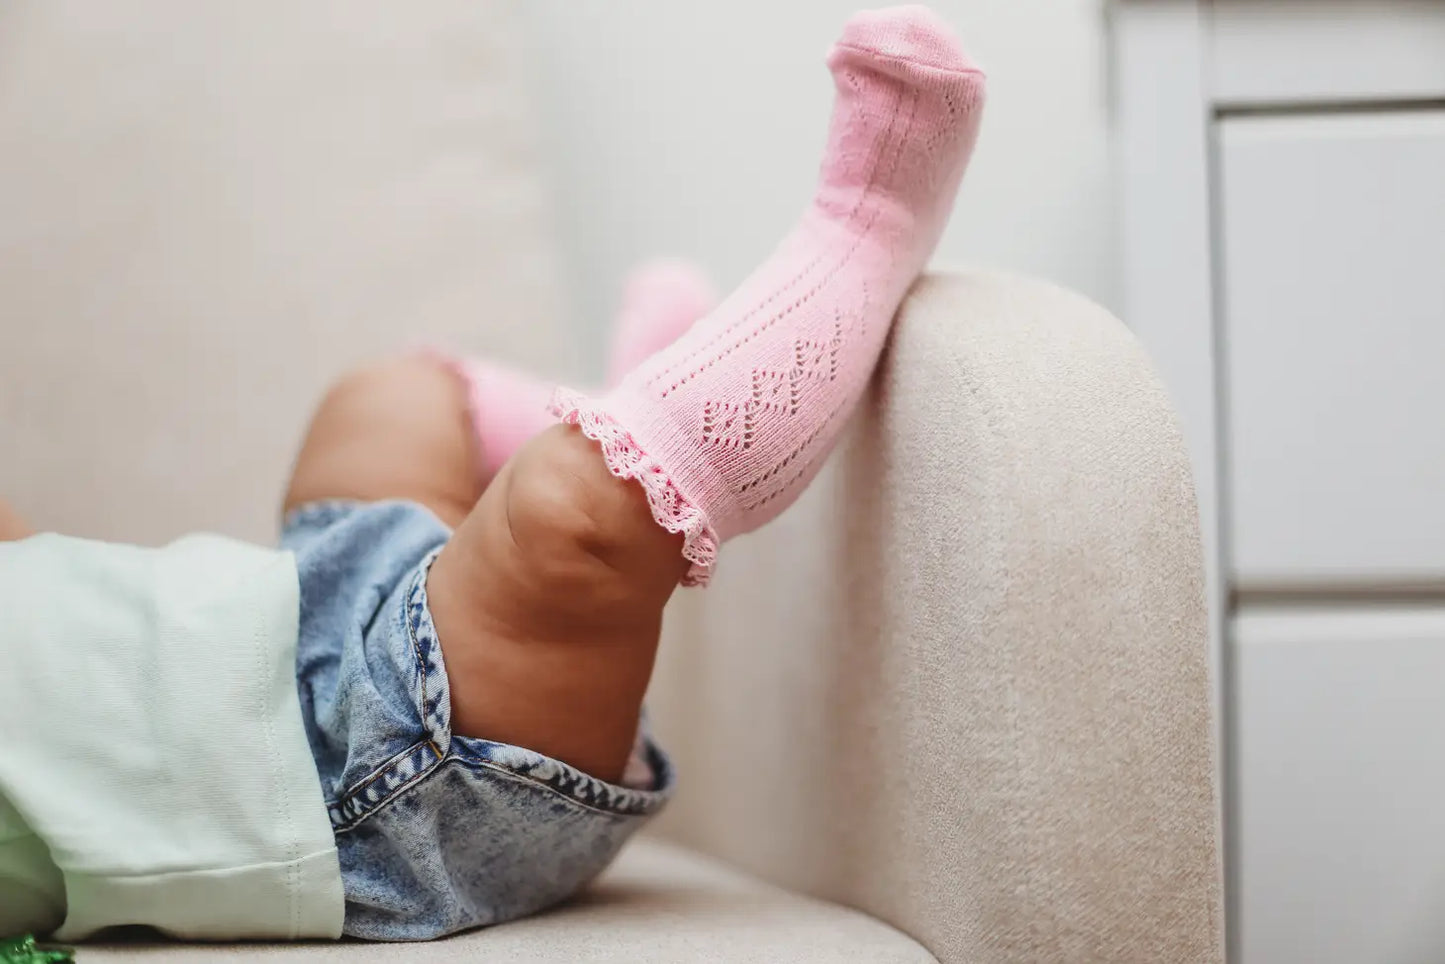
point(156, 767)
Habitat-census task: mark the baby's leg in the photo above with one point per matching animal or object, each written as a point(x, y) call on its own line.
point(412, 429)
point(548, 605)
point(397, 430)
point(11, 525)
point(436, 430)
point(548, 601)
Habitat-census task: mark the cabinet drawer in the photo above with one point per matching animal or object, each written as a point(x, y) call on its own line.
point(1340, 773)
point(1271, 52)
point(1333, 345)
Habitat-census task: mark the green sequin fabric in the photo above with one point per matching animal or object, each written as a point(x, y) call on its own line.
point(23, 950)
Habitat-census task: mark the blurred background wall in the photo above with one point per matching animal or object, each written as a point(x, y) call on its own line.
point(695, 129)
point(204, 171)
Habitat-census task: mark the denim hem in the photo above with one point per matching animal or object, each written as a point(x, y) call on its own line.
point(566, 780)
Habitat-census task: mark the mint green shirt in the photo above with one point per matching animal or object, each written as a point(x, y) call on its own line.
point(154, 768)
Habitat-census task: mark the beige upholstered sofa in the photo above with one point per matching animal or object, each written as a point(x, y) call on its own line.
point(954, 706)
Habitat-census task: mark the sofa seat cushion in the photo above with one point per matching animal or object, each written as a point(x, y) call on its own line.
point(658, 902)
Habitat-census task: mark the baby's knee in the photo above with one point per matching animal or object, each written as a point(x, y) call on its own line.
point(569, 516)
point(396, 429)
point(391, 387)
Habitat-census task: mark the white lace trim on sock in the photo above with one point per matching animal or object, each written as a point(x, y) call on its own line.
point(626, 460)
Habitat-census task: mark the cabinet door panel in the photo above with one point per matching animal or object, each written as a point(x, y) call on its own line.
point(1333, 297)
point(1339, 805)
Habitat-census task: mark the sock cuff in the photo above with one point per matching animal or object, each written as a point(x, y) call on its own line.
point(626, 460)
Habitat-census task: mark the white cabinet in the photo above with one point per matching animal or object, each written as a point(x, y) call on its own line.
point(1282, 226)
point(1332, 232)
point(1339, 824)
point(1284, 53)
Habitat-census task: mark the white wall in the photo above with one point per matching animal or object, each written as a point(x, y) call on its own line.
point(695, 128)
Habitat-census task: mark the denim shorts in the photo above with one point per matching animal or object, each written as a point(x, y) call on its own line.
point(437, 832)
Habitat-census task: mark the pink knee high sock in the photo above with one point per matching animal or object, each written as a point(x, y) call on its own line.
point(661, 299)
point(507, 407)
point(725, 428)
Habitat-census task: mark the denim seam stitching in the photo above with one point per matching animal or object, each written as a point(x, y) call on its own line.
point(417, 610)
point(357, 802)
point(641, 808)
point(353, 807)
point(378, 772)
point(344, 824)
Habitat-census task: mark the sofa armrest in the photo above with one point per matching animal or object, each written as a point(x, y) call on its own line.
point(963, 685)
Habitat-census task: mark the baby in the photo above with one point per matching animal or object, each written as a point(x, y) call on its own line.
point(468, 596)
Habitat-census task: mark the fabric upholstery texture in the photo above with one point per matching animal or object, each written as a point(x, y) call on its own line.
point(963, 685)
point(657, 903)
point(209, 211)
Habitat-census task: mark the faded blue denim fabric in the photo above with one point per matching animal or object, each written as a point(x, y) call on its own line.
point(437, 833)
